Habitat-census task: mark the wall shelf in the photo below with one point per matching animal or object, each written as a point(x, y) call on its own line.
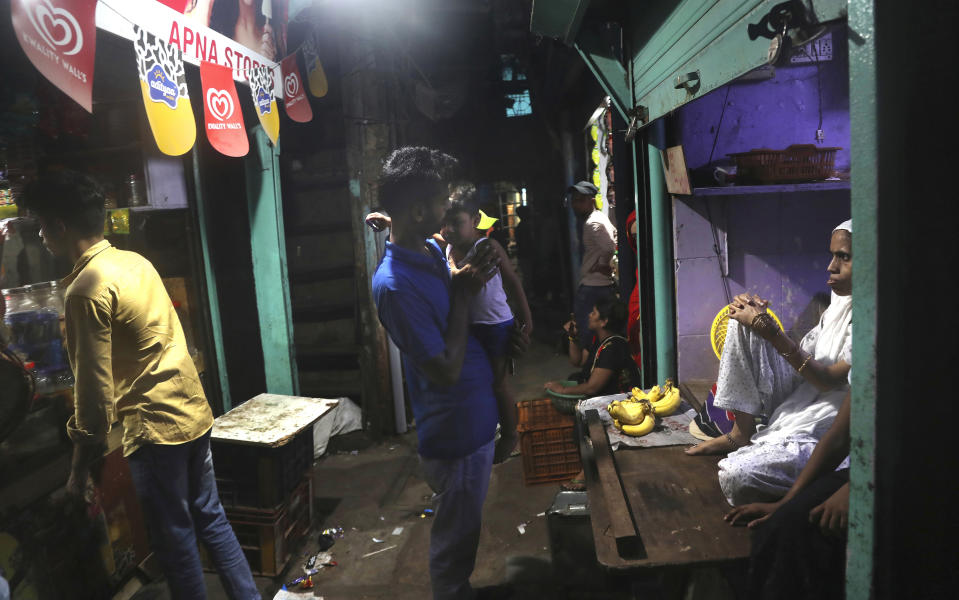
point(784, 188)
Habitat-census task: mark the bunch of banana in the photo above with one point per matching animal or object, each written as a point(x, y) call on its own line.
point(667, 401)
point(629, 411)
point(633, 417)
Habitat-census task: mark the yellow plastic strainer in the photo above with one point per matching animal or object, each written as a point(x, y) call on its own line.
point(717, 333)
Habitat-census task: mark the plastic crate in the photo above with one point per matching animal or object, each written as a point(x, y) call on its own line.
point(546, 442)
point(795, 164)
point(268, 537)
point(260, 477)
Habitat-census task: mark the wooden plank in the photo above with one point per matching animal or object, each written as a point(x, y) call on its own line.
point(270, 419)
point(678, 507)
point(621, 523)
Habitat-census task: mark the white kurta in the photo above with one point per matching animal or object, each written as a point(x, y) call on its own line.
point(755, 379)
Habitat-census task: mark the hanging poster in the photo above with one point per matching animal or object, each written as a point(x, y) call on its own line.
point(59, 37)
point(295, 102)
point(315, 74)
point(165, 95)
point(261, 86)
point(240, 34)
point(223, 117)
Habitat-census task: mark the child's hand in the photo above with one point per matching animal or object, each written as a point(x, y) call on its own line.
point(570, 328)
point(478, 270)
point(378, 222)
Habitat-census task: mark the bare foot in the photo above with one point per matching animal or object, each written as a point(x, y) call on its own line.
point(719, 445)
point(504, 447)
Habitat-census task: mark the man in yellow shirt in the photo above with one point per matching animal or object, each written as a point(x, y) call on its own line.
point(131, 365)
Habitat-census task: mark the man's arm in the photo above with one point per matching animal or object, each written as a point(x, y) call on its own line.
point(439, 355)
point(90, 348)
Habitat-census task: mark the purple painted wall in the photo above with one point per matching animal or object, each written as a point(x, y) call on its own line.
point(778, 248)
point(777, 243)
point(773, 113)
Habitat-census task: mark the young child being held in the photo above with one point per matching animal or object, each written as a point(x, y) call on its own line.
point(490, 317)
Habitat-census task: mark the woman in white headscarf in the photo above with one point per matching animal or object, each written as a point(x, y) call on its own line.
point(797, 387)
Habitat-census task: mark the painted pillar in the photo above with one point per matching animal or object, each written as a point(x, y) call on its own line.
point(270, 275)
point(863, 126)
point(662, 242)
point(212, 296)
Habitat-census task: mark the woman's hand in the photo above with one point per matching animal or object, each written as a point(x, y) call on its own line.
point(751, 514)
point(832, 516)
point(267, 45)
point(553, 386)
point(746, 307)
point(570, 328)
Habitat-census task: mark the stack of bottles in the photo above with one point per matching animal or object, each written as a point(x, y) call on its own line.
point(34, 317)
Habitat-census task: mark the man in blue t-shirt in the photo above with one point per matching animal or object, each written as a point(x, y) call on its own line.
point(448, 374)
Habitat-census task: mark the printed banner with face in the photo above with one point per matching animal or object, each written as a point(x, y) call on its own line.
point(295, 102)
point(223, 117)
point(59, 37)
point(315, 74)
point(164, 93)
point(261, 86)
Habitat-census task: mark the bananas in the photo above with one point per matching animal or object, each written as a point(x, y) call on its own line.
point(629, 412)
point(644, 427)
point(668, 402)
point(636, 414)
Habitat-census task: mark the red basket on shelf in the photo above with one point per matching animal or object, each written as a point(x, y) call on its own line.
point(795, 164)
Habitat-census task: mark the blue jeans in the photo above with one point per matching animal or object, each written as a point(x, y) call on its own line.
point(586, 298)
point(177, 491)
point(460, 486)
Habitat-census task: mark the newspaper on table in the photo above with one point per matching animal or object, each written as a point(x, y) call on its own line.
point(670, 431)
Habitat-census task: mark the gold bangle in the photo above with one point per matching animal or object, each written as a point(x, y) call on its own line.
point(803, 365)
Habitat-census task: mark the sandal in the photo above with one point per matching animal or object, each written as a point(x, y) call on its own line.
point(574, 485)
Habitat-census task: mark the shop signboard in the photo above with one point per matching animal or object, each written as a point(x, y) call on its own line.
point(59, 37)
point(237, 34)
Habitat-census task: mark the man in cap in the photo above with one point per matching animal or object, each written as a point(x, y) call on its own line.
point(597, 249)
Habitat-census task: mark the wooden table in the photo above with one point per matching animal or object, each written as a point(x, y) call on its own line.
point(672, 501)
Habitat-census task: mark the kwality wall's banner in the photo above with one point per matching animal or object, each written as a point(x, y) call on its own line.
point(198, 33)
point(294, 96)
point(223, 117)
point(59, 37)
point(165, 95)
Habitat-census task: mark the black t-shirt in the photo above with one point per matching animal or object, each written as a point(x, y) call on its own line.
point(613, 355)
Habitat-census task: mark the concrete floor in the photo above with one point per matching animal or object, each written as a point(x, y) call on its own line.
point(376, 491)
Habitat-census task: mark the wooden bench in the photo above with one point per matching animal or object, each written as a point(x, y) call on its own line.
point(656, 507)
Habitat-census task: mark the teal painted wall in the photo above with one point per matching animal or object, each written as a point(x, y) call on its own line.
point(268, 246)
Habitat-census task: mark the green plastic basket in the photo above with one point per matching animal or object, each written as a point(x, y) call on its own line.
point(565, 403)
